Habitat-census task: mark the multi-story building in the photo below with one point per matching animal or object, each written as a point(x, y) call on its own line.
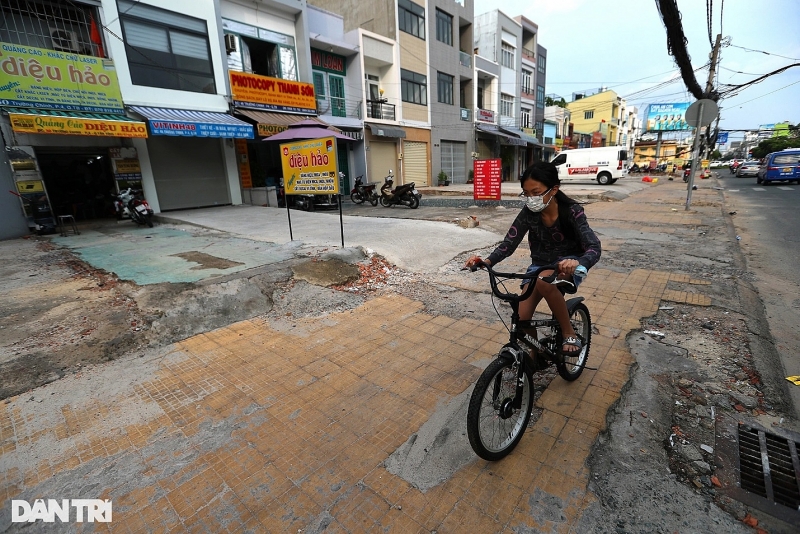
point(561, 117)
point(598, 114)
point(141, 101)
point(400, 99)
point(528, 86)
point(498, 41)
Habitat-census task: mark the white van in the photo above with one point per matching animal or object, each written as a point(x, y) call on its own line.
point(606, 164)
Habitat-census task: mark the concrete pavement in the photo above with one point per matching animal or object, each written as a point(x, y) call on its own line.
point(285, 425)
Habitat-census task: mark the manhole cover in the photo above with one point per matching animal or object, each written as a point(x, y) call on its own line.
point(760, 468)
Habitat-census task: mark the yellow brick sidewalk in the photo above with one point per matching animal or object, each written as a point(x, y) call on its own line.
point(284, 426)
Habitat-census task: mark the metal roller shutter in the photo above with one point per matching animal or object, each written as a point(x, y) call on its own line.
point(454, 157)
point(382, 157)
point(415, 163)
point(189, 172)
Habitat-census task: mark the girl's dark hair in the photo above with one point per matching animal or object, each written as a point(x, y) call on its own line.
point(546, 174)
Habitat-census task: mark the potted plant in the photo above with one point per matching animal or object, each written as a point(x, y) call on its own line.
point(443, 179)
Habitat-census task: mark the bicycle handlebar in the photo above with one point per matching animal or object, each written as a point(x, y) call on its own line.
point(511, 297)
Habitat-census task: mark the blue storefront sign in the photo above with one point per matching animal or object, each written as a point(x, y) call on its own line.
point(722, 138)
point(190, 123)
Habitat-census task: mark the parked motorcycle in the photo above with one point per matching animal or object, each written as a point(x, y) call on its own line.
point(404, 194)
point(362, 192)
point(130, 203)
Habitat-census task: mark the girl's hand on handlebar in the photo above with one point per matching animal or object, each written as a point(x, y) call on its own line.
point(474, 262)
point(566, 268)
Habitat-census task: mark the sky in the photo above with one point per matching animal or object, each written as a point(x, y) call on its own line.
point(622, 45)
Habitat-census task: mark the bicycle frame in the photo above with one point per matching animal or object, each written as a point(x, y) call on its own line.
point(518, 335)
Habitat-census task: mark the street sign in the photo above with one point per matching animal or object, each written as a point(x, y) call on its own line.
point(709, 110)
point(722, 138)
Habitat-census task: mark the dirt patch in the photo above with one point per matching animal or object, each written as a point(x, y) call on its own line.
point(207, 261)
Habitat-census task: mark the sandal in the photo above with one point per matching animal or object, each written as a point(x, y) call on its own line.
point(571, 342)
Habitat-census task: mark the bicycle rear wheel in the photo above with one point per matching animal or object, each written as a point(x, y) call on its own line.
point(572, 365)
point(494, 427)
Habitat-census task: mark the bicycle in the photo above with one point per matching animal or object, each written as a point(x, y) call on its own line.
point(501, 403)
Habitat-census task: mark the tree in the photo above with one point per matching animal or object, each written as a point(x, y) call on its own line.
point(774, 144)
point(548, 101)
point(716, 154)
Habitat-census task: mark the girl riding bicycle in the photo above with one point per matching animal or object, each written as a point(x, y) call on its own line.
point(558, 233)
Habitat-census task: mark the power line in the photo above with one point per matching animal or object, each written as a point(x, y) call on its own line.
point(763, 52)
point(765, 94)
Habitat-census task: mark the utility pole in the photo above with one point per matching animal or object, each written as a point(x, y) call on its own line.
point(696, 150)
point(710, 84)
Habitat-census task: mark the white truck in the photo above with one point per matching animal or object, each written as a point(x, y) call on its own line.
point(605, 164)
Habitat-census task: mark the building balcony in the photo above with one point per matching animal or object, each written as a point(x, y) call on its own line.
point(528, 53)
point(465, 59)
point(466, 114)
point(339, 107)
point(379, 109)
point(527, 92)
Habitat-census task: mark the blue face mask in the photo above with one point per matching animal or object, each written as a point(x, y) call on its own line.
point(536, 203)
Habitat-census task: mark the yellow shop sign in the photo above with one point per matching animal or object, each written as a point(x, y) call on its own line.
point(309, 167)
point(47, 124)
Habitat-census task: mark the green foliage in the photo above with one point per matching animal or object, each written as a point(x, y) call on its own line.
point(774, 144)
point(716, 154)
point(442, 177)
point(548, 101)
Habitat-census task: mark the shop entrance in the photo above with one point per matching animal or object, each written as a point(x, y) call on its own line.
point(79, 182)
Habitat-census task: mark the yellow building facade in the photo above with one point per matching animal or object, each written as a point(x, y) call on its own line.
point(597, 113)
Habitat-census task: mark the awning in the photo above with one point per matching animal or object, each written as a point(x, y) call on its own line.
point(385, 131)
point(504, 138)
point(528, 138)
point(189, 123)
point(268, 123)
point(45, 121)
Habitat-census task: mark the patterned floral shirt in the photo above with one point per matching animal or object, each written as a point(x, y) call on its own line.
point(550, 244)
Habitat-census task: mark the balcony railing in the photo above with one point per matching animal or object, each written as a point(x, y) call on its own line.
point(527, 91)
point(466, 114)
point(339, 107)
point(528, 53)
point(379, 109)
point(465, 59)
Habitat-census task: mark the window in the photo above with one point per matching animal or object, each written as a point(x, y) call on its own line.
point(539, 128)
point(445, 88)
point(166, 49)
point(588, 115)
point(527, 81)
point(413, 87)
point(540, 97)
point(506, 105)
point(444, 27)
point(412, 18)
point(480, 97)
point(541, 63)
point(525, 118)
point(336, 84)
point(507, 55)
point(319, 85)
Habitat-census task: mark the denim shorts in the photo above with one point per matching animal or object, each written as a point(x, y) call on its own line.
point(567, 289)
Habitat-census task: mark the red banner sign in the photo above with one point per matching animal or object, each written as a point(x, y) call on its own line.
point(488, 176)
point(582, 170)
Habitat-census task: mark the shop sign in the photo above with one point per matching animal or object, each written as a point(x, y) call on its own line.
point(310, 167)
point(266, 130)
point(274, 94)
point(328, 61)
point(49, 124)
point(485, 115)
point(242, 159)
point(126, 167)
point(667, 117)
point(41, 78)
point(488, 173)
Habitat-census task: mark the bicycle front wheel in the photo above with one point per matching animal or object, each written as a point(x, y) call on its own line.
point(494, 426)
point(572, 365)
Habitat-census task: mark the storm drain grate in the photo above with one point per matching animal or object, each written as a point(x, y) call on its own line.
point(769, 466)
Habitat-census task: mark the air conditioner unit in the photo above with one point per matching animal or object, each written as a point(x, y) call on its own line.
point(64, 40)
point(230, 43)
